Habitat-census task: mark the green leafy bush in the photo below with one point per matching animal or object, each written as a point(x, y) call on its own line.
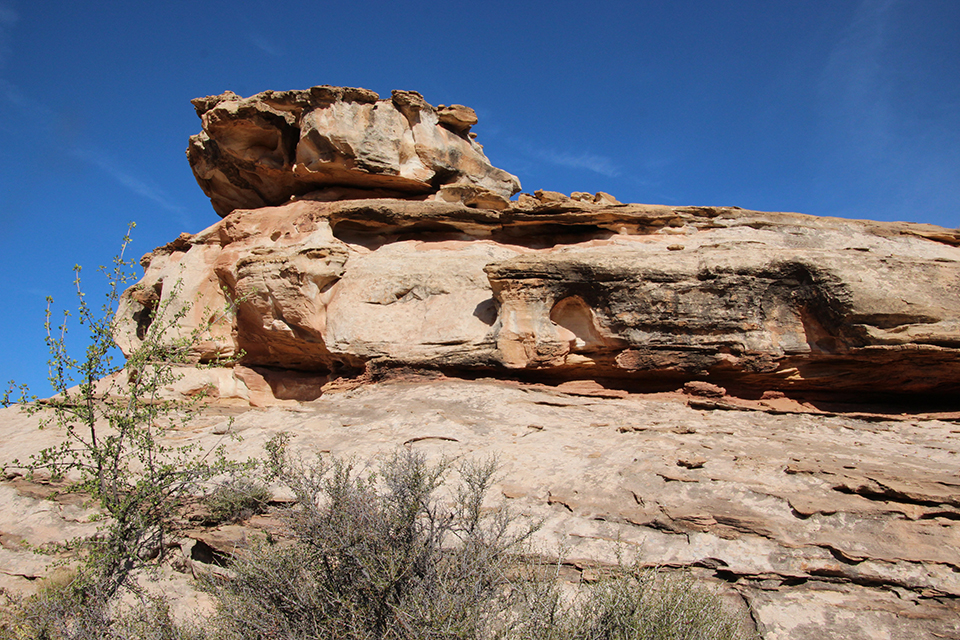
point(112, 418)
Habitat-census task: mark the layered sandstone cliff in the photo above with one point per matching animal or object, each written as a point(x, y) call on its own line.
point(641, 297)
point(362, 233)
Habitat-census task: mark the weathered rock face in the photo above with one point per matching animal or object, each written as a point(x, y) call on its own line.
point(641, 297)
point(340, 142)
point(828, 527)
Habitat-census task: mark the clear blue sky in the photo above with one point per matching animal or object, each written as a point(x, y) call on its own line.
point(830, 107)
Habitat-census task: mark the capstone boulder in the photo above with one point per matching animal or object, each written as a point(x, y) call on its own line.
point(337, 142)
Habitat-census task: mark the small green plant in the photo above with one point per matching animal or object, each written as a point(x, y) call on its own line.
point(236, 499)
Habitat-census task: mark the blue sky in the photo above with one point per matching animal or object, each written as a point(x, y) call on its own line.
point(830, 107)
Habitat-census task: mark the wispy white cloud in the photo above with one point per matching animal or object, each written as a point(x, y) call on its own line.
point(582, 160)
point(34, 111)
point(598, 164)
point(265, 45)
point(855, 87)
point(879, 158)
point(140, 186)
point(19, 113)
point(38, 116)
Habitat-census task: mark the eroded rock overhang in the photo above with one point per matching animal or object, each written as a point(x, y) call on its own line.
point(638, 296)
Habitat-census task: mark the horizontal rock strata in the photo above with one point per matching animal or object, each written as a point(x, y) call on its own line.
point(642, 297)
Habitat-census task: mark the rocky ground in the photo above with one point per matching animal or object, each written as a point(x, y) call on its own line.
point(823, 525)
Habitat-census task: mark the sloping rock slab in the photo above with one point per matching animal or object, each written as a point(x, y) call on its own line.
point(828, 527)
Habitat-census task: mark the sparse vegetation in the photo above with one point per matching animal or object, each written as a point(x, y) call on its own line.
point(378, 556)
point(635, 603)
point(75, 610)
point(112, 450)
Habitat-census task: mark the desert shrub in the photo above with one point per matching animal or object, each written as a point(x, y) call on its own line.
point(150, 619)
point(237, 498)
point(68, 611)
point(377, 556)
point(647, 604)
point(112, 418)
point(628, 602)
point(72, 609)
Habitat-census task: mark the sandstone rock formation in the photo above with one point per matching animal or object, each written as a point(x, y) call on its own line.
point(340, 142)
point(769, 400)
point(642, 297)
